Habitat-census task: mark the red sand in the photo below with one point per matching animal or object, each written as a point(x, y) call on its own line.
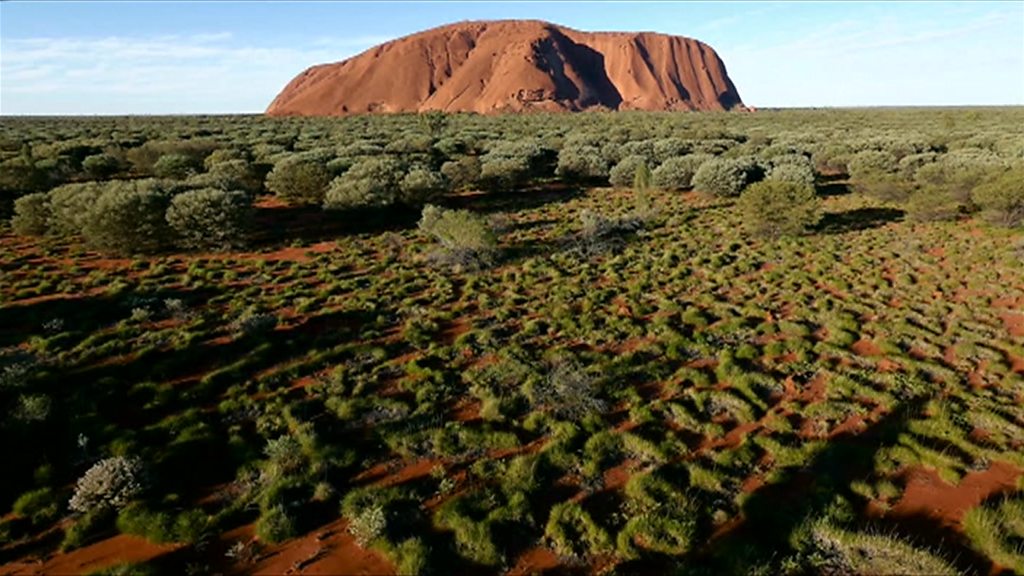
point(928, 494)
point(515, 66)
point(330, 550)
point(116, 550)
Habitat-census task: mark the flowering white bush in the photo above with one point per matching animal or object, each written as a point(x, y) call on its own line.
point(110, 483)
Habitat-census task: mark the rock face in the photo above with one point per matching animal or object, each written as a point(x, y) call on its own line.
point(515, 66)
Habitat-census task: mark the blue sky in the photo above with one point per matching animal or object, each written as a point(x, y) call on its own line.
point(223, 57)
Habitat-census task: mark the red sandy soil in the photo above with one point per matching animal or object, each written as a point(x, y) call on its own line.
point(535, 561)
point(1014, 322)
point(866, 348)
point(119, 549)
point(617, 476)
point(928, 494)
point(330, 550)
point(515, 66)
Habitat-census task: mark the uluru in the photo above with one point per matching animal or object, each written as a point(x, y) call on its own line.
point(515, 66)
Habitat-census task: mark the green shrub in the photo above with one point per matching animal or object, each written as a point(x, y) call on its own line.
point(162, 527)
point(834, 550)
point(883, 186)
point(298, 180)
point(275, 525)
point(932, 204)
point(573, 532)
point(412, 557)
point(1001, 198)
point(623, 174)
point(581, 163)
point(465, 238)
point(128, 218)
point(175, 166)
point(870, 163)
point(229, 175)
point(210, 218)
point(677, 173)
point(473, 535)
point(421, 185)
point(40, 505)
point(71, 205)
point(996, 529)
point(101, 166)
point(85, 527)
point(509, 164)
point(32, 214)
point(463, 173)
point(774, 208)
point(642, 178)
point(369, 182)
point(724, 177)
point(797, 173)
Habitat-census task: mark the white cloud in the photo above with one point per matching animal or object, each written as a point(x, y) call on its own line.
point(886, 60)
point(169, 73)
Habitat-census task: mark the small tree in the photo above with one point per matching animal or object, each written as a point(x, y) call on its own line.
point(1001, 198)
point(32, 214)
point(642, 178)
point(298, 180)
point(774, 208)
point(128, 218)
point(210, 218)
point(109, 484)
point(465, 238)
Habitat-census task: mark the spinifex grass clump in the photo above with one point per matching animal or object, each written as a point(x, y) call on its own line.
point(465, 239)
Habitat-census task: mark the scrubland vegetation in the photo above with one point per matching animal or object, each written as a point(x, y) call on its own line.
point(771, 343)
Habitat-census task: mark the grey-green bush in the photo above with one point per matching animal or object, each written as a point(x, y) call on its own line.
point(229, 175)
point(128, 218)
point(101, 166)
point(31, 214)
point(932, 203)
point(623, 174)
point(797, 173)
point(677, 173)
point(297, 180)
point(175, 166)
point(369, 182)
point(1001, 198)
point(581, 163)
point(70, 205)
point(462, 173)
point(723, 176)
point(210, 219)
point(420, 186)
